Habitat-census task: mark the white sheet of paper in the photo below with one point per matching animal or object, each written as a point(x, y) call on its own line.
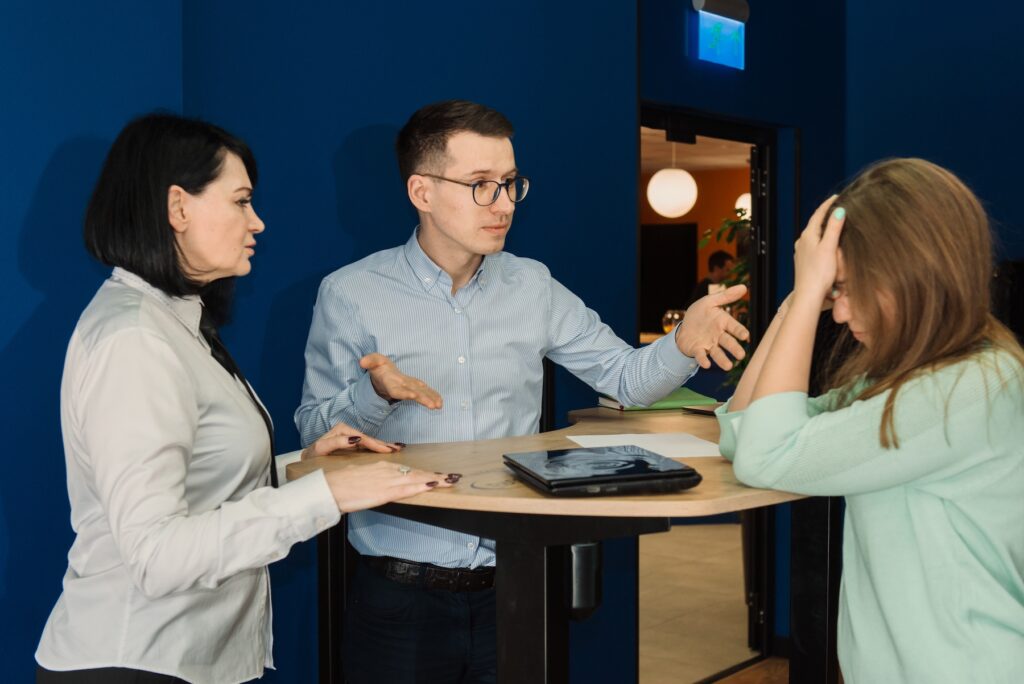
point(669, 444)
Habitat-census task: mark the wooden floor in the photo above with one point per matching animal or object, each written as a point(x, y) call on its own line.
point(692, 611)
point(770, 671)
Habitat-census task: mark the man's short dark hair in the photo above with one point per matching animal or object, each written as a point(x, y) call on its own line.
point(126, 221)
point(719, 259)
point(423, 141)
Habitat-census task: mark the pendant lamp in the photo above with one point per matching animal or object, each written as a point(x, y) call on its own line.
point(672, 192)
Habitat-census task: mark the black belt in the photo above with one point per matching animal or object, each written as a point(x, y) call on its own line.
point(431, 576)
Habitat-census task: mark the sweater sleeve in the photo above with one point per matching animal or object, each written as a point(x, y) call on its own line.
point(729, 421)
point(790, 442)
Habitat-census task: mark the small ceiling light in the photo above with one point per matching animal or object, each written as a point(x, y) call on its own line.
point(672, 192)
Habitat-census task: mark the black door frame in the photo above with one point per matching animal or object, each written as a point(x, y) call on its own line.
point(684, 125)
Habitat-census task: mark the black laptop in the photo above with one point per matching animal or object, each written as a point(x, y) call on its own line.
point(598, 471)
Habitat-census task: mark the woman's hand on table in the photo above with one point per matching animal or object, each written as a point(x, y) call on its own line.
point(342, 437)
point(359, 487)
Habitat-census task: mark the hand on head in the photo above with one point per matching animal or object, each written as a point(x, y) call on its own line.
point(708, 332)
point(394, 385)
point(359, 487)
point(817, 253)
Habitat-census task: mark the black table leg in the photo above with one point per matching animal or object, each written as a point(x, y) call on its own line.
point(815, 570)
point(334, 568)
point(532, 616)
point(531, 580)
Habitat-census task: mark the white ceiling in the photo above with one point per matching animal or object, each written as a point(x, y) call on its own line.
point(707, 153)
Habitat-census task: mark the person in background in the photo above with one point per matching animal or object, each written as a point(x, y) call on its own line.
point(451, 336)
point(921, 428)
point(720, 265)
point(168, 449)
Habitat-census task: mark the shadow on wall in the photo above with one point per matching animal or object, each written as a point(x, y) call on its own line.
point(373, 213)
point(33, 497)
point(373, 207)
point(283, 365)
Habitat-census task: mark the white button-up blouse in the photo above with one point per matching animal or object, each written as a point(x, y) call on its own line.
point(167, 467)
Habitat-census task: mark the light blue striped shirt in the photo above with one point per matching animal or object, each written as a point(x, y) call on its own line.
point(481, 349)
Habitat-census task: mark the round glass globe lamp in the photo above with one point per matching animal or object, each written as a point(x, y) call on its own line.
point(672, 192)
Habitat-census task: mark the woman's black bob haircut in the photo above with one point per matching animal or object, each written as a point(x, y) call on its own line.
point(126, 221)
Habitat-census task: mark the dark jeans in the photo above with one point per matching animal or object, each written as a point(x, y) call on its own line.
point(104, 675)
point(402, 634)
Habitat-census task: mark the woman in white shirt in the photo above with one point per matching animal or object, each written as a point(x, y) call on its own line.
point(168, 450)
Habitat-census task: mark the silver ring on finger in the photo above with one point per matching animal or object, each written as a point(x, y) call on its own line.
point(404, 469)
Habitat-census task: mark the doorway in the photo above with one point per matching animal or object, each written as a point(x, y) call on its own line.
point(729, 623)
point(726, 157)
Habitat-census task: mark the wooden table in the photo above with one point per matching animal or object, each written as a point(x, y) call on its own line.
point(531, 528)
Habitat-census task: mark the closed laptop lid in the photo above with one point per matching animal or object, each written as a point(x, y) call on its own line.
point(570, 467)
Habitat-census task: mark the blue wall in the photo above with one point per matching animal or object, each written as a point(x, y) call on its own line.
point(941, 80)
point(70, 78)
point(320, 95)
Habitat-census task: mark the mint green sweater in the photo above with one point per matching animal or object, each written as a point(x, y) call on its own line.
point(933, 547)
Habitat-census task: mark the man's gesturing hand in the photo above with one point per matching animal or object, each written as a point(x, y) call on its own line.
point(394, 385)
point(708, 332)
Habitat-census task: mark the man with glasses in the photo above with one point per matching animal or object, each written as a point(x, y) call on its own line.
point(443, 340)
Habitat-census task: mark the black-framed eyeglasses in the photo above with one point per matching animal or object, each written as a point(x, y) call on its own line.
point(485, 192)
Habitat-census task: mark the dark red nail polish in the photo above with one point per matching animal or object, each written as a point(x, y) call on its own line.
point(453, 478)
point(402, 444)
point(432, 483)
point(354, 439)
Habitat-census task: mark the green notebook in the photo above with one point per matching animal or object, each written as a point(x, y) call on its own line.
point(684, 396)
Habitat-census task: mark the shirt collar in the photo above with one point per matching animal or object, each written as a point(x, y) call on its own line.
point(428, 273)
point(188, 309)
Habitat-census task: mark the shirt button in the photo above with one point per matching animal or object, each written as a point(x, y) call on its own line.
point(465, 405)
point(470, 545)
point(462, 359)
point(458, 310)
point(426, 280)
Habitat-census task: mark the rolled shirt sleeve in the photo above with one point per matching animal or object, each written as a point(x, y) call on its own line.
point(591, 351)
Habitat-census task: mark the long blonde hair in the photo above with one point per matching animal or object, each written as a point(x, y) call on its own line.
point(918, 254)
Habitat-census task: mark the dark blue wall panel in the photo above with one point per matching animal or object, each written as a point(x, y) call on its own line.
point(70, 77)
point(941, 80)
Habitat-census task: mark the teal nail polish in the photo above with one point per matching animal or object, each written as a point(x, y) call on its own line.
point(839, 214)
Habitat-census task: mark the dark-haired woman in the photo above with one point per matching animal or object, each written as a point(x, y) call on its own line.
point(923, 430)
point(168, 449)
